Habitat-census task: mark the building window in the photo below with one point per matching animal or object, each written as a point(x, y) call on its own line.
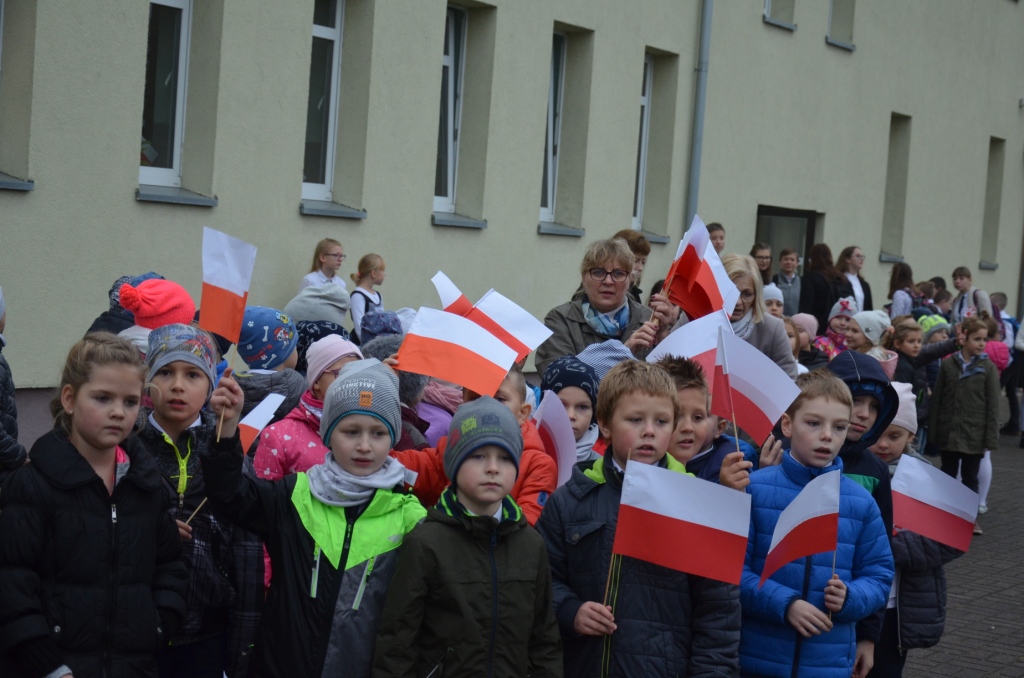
point(554, 127)
point(322, 107)
point(451, 105)
point(894, 208)
point(641, 146)
point(163, 110)
point(840, 23)
point(993, 203)
point(780, 13)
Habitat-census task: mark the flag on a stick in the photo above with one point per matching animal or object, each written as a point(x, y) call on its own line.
point(453, 348)
point(927, 501)
point(254, 422)
point(750, 389)
point(809, 525)
point(452, 299)
point(678, 521)
point(227, 272)
point(696, 340)
point(696, 281)
point(556, 432)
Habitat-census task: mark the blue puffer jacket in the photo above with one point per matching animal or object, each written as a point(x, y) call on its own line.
point(769, 646)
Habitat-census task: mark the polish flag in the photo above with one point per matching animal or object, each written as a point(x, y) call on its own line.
point(750, 389)
point(696, 340)
point(452, 299)
point(455, 349)
point(696, 280)
point(927, 501)
point(254, 422)
point(678, 521)
point(227, 272)
point(809, 525)
point(556, 431)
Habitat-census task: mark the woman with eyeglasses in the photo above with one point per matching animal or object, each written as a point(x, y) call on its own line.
point(750, 319)
point(603, 311)
point(327, 259)
point(762, 253)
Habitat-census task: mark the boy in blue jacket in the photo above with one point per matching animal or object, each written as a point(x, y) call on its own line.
point(802, 621)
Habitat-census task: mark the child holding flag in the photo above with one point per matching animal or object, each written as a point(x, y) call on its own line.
point(575, 383)
point(801, 621)
point(919, 589)
point(647, 620)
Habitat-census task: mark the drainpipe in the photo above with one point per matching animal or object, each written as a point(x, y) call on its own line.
point(700, 99)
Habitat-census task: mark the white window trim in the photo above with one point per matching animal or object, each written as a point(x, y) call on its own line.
point(160, 176)
point(456, 71)
point(645, 118)
point(325, 191)
point(554, 127)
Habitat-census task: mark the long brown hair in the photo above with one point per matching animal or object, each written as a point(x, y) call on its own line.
point(820, 261)
point(901, 278)
point(843, 262)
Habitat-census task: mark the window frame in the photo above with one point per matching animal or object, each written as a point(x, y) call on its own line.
point(325, 191)
point(171, 177)
point(456, 28)
point(640, 181)
point(553, 130)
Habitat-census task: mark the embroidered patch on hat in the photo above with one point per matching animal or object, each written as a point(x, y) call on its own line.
point(469, 424)
point(366, 399)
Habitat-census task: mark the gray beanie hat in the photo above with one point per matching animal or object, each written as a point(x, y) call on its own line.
point(362, 387)
point(330, 302)
point(480, 422)
point(172, 343)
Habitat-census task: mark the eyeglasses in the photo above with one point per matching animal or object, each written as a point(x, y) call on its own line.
point(768, 258)
point(339, 257)
point(599, 274)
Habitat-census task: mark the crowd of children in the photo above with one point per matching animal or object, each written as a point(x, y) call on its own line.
point(387, 524)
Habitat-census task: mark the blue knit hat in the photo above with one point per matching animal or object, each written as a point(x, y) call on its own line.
point(571, 371)
point(267, 339)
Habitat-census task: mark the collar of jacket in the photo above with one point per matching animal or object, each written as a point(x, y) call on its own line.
point(449, 510)
point(388, 517)
point(613, 477)
point(801, 475)
point(59, 462)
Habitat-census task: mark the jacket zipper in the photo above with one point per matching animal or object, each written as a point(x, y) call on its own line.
point(799, 638)
point(113, 584)
point(321, 650)
point(494, 605)
point(316, 571)
point(362, 583)
point(899, 631)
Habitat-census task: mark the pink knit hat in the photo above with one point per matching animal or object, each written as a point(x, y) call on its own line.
point(808, 322)
point(325, 352)
point(156, 303)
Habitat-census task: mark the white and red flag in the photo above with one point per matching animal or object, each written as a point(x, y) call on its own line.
point(499, 315)
point(927, 501)
point(750, 389)
point(678, 521)
point(696, 281)
point(456, 349)
point(809, 525)
point(555, 431)
point(696, 340)
point(227, 272)
point(254, 422)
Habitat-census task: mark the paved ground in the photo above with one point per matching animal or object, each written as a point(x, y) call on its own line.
point(985, 615)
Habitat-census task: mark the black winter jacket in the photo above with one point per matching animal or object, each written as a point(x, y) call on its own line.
point(12, 453)
point(670, 624)
point(471, 596)
point(224, 562)
point(88, 579)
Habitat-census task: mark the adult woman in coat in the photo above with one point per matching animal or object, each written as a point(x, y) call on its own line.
point(822, 285)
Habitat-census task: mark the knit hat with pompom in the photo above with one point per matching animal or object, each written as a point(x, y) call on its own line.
point(156, 303)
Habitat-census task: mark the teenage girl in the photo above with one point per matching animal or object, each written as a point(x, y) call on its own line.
point(93, 583)
point(365, 299)
point(327, 259)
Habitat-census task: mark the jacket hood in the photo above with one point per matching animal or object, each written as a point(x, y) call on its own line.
point(59, 462)
point(450, 511)
point(865, 376)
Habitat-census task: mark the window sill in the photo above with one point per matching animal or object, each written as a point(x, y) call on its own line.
point(887, 258)
point(326, 208)
point(9, 183)
point(450, 219)
point(988, 265)
point(173, 196)
point(552, 228)
point(840, 45)
point(778, 24)
point(656, 238)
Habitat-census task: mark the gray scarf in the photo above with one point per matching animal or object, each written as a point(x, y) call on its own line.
point(334, 486)
point(744, 326)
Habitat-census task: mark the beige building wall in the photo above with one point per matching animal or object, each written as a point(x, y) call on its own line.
point(790, 122)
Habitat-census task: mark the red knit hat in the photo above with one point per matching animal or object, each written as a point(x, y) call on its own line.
point(156, 303)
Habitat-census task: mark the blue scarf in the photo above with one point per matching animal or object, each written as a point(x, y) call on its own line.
point(607, 324)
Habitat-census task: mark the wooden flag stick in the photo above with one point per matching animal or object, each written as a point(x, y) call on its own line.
point(611, 565)
point(220, 421)
point(833, 575)
point(201, 504)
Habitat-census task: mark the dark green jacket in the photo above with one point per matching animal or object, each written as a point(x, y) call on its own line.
point(964, 414)
point(472, 597)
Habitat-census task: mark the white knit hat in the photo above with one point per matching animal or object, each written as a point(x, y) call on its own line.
point(772, 291)
point(906, 416)
point(873, 324)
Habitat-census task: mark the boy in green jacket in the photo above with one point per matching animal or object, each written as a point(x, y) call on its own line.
point(471, 594)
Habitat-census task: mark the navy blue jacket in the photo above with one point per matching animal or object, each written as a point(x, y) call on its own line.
point(769, 646)
point(709, 466)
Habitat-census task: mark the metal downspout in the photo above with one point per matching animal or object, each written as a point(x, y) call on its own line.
point(700, 99)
